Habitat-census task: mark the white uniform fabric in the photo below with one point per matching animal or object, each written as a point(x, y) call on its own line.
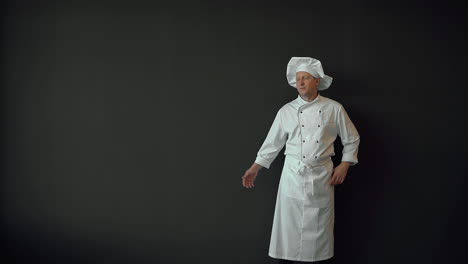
point(304, 213)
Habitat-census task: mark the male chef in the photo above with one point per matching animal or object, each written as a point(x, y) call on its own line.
point(308, 126)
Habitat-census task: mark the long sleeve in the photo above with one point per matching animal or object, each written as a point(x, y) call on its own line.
point(274, 142)
point(349, 137)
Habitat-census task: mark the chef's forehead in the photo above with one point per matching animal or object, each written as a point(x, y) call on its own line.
point(303, 73)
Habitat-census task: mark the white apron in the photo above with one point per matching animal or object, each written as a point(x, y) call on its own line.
point(304, 213)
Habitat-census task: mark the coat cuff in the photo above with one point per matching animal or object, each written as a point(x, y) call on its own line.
point(263, 162)
point(349, 158)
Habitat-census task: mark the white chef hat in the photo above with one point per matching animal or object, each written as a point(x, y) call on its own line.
point(310, 65)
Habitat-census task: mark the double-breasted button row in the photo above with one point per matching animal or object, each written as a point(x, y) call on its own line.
point(316, 141)
point(320, 111)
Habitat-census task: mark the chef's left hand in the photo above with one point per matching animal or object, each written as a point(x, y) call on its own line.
point(339, 173)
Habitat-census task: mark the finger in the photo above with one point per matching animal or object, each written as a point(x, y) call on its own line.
point(247, 182)
point(332, 179)
point(335, 180)
point(341, 180)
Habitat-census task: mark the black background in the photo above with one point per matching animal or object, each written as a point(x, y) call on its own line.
point(127, 127)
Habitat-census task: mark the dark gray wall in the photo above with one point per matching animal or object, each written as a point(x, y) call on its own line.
point(127, 127)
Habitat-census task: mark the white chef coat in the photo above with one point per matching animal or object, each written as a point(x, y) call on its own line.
point(304, 213)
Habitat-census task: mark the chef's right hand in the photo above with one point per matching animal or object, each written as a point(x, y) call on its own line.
point(249, 176)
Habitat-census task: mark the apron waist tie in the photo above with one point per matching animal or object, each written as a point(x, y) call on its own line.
point(303, 165)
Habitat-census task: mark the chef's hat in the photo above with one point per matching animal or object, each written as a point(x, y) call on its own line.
point(310, 65)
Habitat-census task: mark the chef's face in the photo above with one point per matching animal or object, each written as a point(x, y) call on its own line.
point(306, 84)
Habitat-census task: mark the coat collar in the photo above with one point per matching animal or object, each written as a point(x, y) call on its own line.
point(302, 102)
